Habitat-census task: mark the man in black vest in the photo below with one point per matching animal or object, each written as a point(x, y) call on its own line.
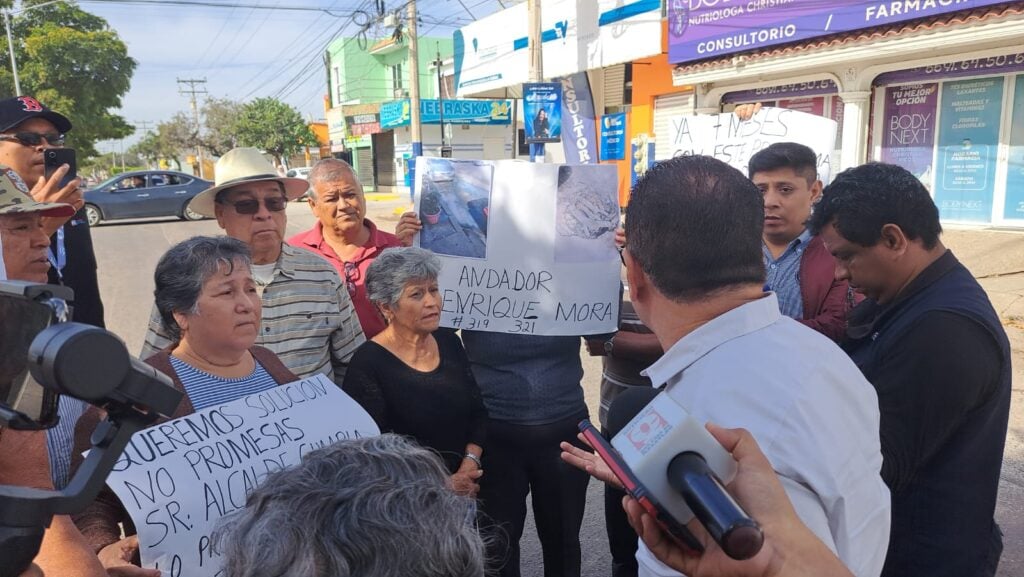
point(930, 342)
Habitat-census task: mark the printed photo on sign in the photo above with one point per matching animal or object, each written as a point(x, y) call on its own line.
point(454, 206)
point(587, 216)
point(550, 265)
point(179, 478)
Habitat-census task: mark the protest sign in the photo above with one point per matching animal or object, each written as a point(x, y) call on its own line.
point(734, 141)
point(527, 248)
point(177, 479)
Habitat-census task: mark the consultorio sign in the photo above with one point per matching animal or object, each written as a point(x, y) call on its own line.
point(700, 29)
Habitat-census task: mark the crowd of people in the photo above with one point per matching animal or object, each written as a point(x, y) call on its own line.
point(852, 366)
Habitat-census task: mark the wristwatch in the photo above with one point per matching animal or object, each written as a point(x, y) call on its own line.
point(609, 345)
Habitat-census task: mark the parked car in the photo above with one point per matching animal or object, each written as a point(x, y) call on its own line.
point(144, 194)
point(300, 172)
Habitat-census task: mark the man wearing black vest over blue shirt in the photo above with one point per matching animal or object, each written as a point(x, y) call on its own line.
point(930, 342)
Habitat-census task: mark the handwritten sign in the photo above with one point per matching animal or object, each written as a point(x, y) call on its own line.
point(179, 478)
point(734, 141)
point(526, 248)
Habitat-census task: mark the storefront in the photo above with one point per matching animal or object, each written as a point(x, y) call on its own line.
point(474, 129)
point(362, 122)
point(932, 86)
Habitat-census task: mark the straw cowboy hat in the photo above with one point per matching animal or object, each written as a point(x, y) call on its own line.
point(244, 166)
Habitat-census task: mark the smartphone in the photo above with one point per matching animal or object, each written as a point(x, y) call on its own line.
point(636, 489)
point(25, 310)
point(54, 158)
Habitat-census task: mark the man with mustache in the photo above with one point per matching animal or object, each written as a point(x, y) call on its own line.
point(343, 235)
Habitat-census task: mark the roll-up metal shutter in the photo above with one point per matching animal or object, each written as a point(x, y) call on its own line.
point(666, 107)
point(364, 162)
point(614, 86)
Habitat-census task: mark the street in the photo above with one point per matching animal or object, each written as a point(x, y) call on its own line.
point(128, 251)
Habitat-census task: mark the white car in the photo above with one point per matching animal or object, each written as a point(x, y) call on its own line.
point(299, 172)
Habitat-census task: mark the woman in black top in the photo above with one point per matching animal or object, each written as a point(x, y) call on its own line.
point(412, 378)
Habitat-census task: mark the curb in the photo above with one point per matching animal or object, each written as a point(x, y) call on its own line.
point(382, 196)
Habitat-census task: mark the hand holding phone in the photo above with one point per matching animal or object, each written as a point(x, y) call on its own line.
point(635, 489)
point(54, 158)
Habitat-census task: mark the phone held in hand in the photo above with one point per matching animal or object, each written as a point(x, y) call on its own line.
point(54, 158)
point(635, 489)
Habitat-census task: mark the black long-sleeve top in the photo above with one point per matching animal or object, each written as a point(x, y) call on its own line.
point(441, 409)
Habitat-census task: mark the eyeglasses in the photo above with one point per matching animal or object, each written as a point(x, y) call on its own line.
point(35, 138)
point(252, 205)
point(351, 272)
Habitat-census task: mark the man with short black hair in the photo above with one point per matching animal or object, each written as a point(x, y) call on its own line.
point(930, 342)
point(693, 263)
point(798, 268)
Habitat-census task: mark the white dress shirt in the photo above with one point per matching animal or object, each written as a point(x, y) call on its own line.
point(811, 411)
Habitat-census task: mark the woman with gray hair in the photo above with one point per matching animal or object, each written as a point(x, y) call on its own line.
point(378, 506)
point(208, 300)
point(414, 379)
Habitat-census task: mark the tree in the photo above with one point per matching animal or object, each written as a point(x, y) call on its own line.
point(274, 127)
point(74, 63)
point(221, 116)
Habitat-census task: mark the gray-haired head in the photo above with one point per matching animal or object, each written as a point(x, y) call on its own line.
point(378, 506)
point(185, 268)
point(394, 268)
point(331, 170)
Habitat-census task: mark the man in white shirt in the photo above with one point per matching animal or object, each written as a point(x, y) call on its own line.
point(693, 263)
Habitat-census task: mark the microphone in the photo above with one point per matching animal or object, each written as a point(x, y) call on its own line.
point(682, 466)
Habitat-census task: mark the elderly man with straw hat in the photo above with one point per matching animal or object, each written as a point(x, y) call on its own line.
point(308, 317)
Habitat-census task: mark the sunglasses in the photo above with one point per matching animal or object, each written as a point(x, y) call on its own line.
point(351, 272)
point(35, 138)
point(252, 205)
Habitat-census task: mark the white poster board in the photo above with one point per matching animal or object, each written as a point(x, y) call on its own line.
point(734, 141)
point(177, 479)
point(526, 248)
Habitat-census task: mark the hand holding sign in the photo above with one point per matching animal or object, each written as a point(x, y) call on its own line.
point(179, 478)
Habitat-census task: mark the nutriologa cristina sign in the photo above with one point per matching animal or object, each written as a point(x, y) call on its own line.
point(700, 29)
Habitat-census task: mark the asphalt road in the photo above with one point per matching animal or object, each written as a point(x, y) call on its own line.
point(128, 251)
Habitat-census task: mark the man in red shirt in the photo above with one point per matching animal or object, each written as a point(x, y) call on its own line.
point(343, 235)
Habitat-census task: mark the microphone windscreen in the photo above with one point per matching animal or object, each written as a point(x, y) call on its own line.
point(626, 406)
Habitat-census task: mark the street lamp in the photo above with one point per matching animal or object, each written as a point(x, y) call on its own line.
point(10, 40)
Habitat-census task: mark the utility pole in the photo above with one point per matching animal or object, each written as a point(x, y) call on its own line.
point(192, 91)
point(143, 125)
point(414, 92)
point(10, 49)
point(440, 95)
point(536, 73)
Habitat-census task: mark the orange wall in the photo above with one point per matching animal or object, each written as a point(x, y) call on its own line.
point(652, 77)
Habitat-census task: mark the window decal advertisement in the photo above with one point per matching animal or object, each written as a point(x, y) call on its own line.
point(908, 128)
point(968, 141)
point(1015, 174)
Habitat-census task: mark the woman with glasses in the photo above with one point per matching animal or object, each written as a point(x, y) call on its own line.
point(208, 301)
point(413, 378)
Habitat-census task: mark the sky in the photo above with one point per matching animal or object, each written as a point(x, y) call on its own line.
point(246, 53)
